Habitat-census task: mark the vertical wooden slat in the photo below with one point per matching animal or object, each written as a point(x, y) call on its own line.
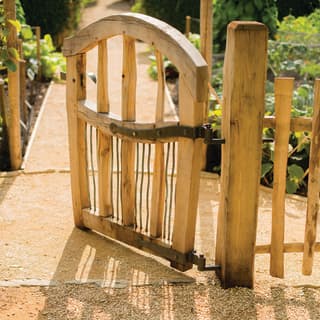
point(104, 141)
point(4, 108)
point(206, 8)
point(22, 75)
point(206, 12)
point(14, 131)
point(243, 110)
point(313, 186)
point(76, 90)
point(188, 175)
point(128, 112)
point(38, 37)
point(188, 26)
point(158, 184)
point(283, 89)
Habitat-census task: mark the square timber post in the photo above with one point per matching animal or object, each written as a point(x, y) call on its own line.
point(242, 124)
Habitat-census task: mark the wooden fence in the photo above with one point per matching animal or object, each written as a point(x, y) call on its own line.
point(283, 124)
point(16, 110)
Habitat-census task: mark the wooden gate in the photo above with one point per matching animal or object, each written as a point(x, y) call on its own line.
point(148, 173)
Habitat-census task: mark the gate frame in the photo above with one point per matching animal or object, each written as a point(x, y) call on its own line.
point(193, 95)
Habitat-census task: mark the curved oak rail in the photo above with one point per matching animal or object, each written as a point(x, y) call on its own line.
point(169, 41)
point(167, 228)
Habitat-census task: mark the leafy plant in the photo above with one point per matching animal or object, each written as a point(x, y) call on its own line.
point(51, 61)
point(57, 17)
point(8, 55)
point(296, 50)
point(227, 11)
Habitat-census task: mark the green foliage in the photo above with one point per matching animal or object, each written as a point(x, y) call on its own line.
point(299, 142)
point(229, 10)
point(51, 61)
point(55, 17)
point(8, 56)
point(296, 50)
point(173, 12)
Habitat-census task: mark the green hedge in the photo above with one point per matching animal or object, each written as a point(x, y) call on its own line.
point(264, 11)
point(55, 17)
point(296, 7)
point(173, 12)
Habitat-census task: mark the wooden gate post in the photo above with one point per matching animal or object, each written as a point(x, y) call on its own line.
point(13, 92)
point(242, 123)
point(76, 90)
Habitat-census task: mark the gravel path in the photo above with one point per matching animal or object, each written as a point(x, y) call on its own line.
point(51, 270)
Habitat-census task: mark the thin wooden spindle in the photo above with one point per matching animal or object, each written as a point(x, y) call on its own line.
point(158, 185)
point(104, 141)
point(313, 186)
point(128, 111)
point(283, 89)
point(38, 38)
point(148, 188)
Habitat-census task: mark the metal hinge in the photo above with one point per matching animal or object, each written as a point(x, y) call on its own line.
point(200, 261)
point(175, 131)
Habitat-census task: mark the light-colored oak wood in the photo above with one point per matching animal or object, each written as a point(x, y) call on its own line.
point(4, 109)
point(104, 141)
point(165, 38)
point(283, 89)
point(287, 247)
point(22, 74)
point(206, 8)
point(38, 38)
point(188, 174)
point(103, 122)
point(296, 124)
point(243, 96)
point(158, 184)
point(76, 89)
point(188, 26)
point(313, 186)
point(206, 14)
point(128, 113)
point(14, 131)
point(24, 108)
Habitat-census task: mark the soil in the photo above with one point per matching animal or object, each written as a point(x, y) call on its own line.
point(51, 270)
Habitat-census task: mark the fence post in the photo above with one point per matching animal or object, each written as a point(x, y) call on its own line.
point(313, 187)
point(38, 38)
point(4, 114)
point(243, 112)
point(206, 10)
point(188, 26)
point(13, 92)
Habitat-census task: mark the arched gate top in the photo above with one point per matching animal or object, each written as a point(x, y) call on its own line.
point(166, 39)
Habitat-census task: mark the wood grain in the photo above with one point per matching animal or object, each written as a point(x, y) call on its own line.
point(313, 186)
point(283, 89)
point(243, 96)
